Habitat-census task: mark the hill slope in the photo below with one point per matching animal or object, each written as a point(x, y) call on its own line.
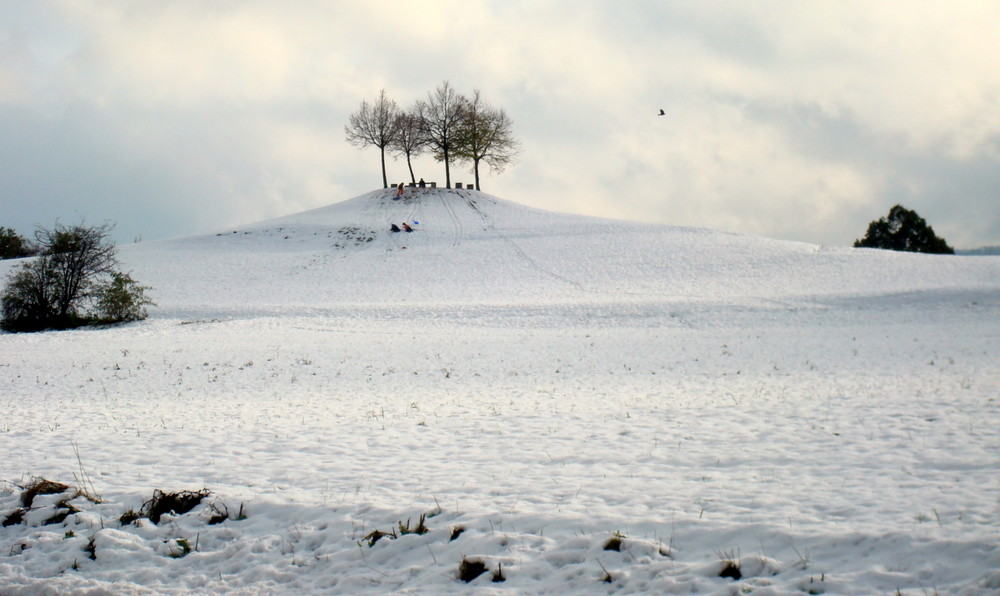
point(535, 387)
point(472, 248)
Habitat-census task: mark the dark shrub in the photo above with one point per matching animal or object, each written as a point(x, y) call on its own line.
point(903, 230)
point(14, 246)
point(71, 282)
point(122, 299)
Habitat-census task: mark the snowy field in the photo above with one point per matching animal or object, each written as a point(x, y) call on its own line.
point(571, 405)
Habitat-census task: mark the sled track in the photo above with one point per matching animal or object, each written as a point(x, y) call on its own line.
point(489, 226)
point(459, 232)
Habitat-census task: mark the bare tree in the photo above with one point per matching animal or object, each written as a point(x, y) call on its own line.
point(375, 124)
point(76, 256)
point(441, 117)
point(485, 136)
point(411, 140)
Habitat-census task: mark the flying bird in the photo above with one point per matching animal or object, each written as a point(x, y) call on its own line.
point(662, 113)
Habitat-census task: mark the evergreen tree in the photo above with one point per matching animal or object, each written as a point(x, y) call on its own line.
point(903, 230)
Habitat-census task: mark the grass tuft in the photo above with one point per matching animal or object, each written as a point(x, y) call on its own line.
point(15, 517)
point(129, 517)
point(607, 574)
point(40, 486)
point(730, 565)
point(83, 479)
point(163, 503)
point(615, 542)
point(220, 513)
point(180, 548)
point(177, 503)
point(498, 576)
point(377, 535)
point(91, 549)
point(420, 529)
point(63, 510)
point(470, 569)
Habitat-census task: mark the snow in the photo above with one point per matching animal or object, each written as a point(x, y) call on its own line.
point(825, 418)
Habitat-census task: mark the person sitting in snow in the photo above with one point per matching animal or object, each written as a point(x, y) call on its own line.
point(407, 227)
point(394, 228)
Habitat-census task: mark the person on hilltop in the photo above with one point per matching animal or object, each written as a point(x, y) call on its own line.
point(399, 192)
point(422, 184)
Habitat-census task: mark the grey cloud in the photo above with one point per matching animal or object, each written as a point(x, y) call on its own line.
point(957, 197)
point(959, 193)
point(767, 131)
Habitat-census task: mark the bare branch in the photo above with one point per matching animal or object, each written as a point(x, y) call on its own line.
point(375, 125)
point(441, 117)
point(486, 136)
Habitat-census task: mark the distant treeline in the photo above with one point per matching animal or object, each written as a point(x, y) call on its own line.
point(985, 251)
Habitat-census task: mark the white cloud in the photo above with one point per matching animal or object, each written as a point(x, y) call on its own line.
point(789, 119)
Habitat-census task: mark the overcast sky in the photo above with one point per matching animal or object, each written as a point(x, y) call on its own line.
point(794, 120)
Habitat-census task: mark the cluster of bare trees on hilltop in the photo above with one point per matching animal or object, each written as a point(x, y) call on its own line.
point(451, 126)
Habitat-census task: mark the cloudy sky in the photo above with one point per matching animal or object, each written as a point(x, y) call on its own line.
point(794, 120)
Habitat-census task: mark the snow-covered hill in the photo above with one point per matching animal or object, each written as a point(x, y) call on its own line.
point(469, 248)
point(537, 386)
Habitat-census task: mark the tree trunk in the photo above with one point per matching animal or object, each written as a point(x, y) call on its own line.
point(385, 181)
point(447, 171)
point(413, 178)
point(475, 168)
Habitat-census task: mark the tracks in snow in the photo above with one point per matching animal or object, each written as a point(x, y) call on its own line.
point(459, 231)
point(488, 223)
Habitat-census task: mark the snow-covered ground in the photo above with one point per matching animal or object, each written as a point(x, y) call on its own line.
point(535, 385)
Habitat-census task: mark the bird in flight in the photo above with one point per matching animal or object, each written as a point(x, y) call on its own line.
point(662, 113)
